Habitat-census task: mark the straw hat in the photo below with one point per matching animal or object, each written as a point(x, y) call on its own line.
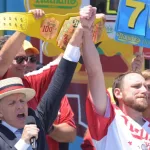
point(14, 85)
point(28, 46)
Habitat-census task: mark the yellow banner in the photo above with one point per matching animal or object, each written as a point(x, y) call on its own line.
point(54, 6)
point(1, 32)
point(54, 28)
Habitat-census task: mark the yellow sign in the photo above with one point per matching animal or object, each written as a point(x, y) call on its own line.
point(139, 7)
point(25, 22)
point(54, 6)
point(1, 32)
point(54, 28)
point(49, 28)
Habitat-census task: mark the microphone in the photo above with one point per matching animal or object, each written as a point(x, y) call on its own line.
point(31, 120)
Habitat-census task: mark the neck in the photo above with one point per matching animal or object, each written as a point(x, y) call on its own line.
point(135, 115)
point(10, 74)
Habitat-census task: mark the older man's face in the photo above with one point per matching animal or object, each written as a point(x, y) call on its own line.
point(14, 110)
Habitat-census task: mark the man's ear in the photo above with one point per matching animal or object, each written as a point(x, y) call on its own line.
point(118, 93)
point(1, 114)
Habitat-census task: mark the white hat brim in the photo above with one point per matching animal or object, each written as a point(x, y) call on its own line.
point(29, 93)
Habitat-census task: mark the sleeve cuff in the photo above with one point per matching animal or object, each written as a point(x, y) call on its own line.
point(72, 53)
point(21, 145)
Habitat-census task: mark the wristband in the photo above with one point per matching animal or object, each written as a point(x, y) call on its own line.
point(72, 53)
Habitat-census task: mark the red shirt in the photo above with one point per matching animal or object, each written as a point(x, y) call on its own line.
point(66, 116)
point(39, 81)
point(87, 143)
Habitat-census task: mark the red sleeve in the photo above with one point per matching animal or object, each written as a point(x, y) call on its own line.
point(66, 113)
point(97, 124)
point(40, 79)
point(87, 142)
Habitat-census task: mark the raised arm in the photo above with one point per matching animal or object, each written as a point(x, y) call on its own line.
point(9, 47)
point(48, 108)
point(92, 61)
point(9, 50)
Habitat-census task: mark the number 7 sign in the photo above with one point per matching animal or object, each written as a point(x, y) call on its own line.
point(132, 24)
point(138, 8)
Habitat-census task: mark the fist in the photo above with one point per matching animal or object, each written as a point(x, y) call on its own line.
point(87, 16)
point(29, 131)
point(38, 13)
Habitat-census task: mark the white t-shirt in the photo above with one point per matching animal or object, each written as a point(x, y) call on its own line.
point(118, 132)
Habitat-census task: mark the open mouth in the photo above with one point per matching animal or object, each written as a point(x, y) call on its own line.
point(21, 116)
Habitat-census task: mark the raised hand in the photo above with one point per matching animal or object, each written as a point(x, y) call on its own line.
point(87, 16)
point(38, 13)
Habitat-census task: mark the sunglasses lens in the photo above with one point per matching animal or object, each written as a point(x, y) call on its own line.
point(19, 59)
point(32, 59)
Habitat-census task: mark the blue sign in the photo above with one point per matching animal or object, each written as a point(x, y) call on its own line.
point(133, 22)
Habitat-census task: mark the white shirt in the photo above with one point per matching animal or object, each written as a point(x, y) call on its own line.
point(117, 131)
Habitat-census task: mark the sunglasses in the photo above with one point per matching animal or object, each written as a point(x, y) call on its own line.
point(31, 59)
